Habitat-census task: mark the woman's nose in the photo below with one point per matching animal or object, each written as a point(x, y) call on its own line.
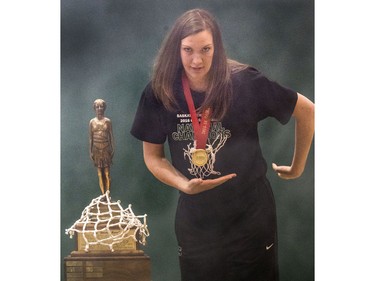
point(197, 59)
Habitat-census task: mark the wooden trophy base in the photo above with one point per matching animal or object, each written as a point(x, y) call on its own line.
point(132, 266)
point(104, 252)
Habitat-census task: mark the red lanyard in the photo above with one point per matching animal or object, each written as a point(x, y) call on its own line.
point(200, 130)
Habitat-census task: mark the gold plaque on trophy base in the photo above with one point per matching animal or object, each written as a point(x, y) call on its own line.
point(108, 268)
point(126, 245)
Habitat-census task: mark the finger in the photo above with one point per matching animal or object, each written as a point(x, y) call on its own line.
point(223, 179)
point(228, 177)
point(281, 169)
point(196, 181)
point(284, 173)
point(274, 166)
point(285, 176)
point(276, 169)
point(212, 183)
point(197, 185)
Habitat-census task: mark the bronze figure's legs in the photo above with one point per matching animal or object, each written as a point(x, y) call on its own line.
point(101, 183)
point(104, 179)
point(107, 178)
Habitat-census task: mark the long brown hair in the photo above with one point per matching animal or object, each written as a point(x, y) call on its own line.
point(168, 65)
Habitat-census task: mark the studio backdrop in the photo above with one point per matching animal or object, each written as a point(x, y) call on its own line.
point(107, 51)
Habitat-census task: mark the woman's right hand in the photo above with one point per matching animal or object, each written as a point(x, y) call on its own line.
point(162, 169)
point(195, 186)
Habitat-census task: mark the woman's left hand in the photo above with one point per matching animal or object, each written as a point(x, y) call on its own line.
point(286, 172)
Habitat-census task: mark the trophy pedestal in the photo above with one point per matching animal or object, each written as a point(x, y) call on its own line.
point(126, 263)
point(108, 267)
point(103, 253)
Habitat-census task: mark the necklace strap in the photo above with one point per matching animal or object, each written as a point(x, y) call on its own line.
point(202, 129)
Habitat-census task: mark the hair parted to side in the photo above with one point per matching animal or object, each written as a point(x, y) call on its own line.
point(168, 64)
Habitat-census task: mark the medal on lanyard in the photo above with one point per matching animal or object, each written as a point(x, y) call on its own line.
point(201, 130)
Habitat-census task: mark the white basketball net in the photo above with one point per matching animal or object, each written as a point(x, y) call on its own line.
point(112, 226)
point(211, 149)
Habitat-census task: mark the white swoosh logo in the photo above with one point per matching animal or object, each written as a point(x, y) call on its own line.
point(269, 247)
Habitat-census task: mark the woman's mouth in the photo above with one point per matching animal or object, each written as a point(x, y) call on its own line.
point(196, 69)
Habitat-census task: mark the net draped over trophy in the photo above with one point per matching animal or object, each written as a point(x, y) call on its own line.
point(106, 224)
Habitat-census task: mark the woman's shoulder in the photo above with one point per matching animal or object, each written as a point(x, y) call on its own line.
point(246, 74)
point(243, 69)
point(148, 95)
point(148, 87)
point(148, 91)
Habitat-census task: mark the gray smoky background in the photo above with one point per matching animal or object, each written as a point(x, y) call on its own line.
point(107, 51)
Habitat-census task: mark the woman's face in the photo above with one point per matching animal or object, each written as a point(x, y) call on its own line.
point(197, 51)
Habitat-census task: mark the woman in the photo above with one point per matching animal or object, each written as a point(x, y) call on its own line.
point(208, 108)
point(101, 144)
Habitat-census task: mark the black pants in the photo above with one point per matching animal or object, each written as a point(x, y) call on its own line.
point(228, 239)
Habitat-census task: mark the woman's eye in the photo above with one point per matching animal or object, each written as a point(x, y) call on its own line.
point(206, 49)
point(188, 50)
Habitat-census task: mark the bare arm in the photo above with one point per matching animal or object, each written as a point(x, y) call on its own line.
point(163, 170)
point(111, 139)
point(90, 140)
point(304, 132)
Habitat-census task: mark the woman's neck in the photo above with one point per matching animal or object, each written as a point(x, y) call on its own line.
point(198, 85)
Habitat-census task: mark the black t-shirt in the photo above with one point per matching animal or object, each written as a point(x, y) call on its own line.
point(233, 143)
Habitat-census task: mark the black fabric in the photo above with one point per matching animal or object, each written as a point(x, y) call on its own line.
point(227, 239)
point(255, 98)
point(223, 232)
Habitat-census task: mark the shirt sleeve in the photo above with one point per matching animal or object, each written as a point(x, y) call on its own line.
point(275, 100)
point(147, 124)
